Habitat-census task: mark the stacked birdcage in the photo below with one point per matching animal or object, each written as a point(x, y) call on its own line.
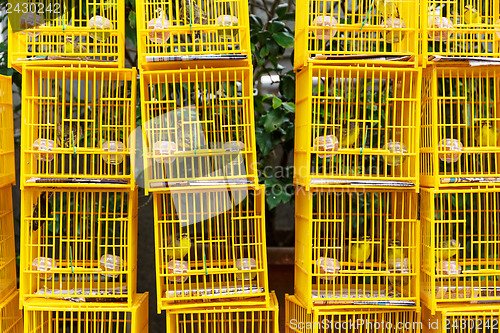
point(461, 320)
point(199, 156)
point(459, 150)
point(66, 33)
point(10, 315)
point(356, 166)
point(460, 30)
point(78, 192)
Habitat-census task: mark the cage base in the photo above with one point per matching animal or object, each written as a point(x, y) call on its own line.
point(328, 319)
point(232, 317)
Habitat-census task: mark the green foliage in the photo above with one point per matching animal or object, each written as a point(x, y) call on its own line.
point(275, 114)
point(4, 70)
point(131, 26)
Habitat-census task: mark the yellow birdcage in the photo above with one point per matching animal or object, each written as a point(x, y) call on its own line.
point(65, 32)
point(460, 245)
point(356, 248)
point(7, 163)
point(210, 247)
point(364, 29)
point(175, 30)
point(8, 280)
point(198, 126)
point(337, 319)
point(460, 133)
point(78, 245)
point(76, 127)
point(453, 28)
point(357, 126)
point(11, 317)
point(231, 318)
point(42, 316)
point(473, 318)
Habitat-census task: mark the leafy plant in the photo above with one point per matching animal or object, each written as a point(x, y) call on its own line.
point(275, 114)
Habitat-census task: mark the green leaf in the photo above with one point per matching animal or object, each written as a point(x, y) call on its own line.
point(319, 89)
point(272, 200)
point(272, 46)
point(257, 102)
point(267, 96)
point(274, 119)
point(277, 192)
point(287, 87)
point(254, 19)
point(284, 39)
point(263, 141)
point(276, 102)
point(130, 33)
point(285, 196)
point(260, 61)
point(132, 19)
point(264, 51)
point(281, 10)
point(277, 26)
point(290, 107)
